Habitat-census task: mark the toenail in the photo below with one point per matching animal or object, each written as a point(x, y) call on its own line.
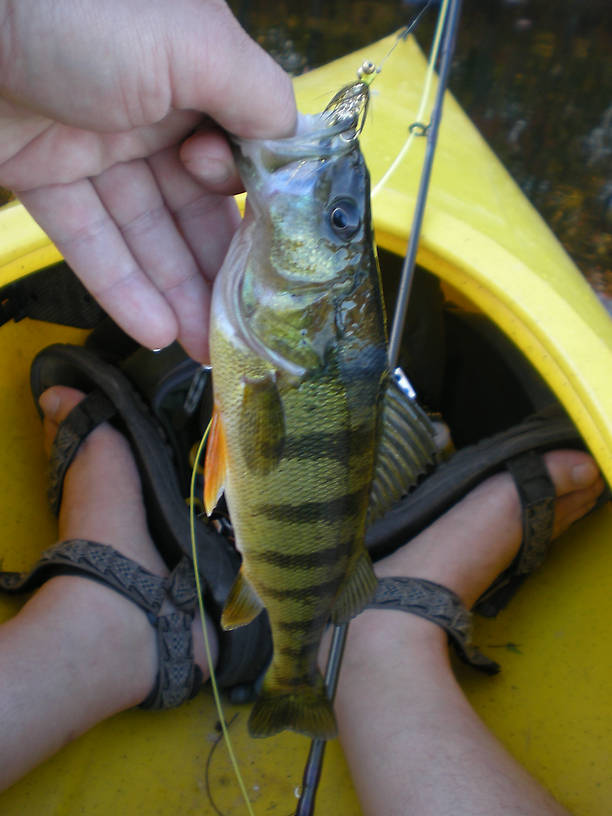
point(49, 402)
point(585, 474)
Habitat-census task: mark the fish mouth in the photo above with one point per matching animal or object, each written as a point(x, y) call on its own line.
point(315, 140)
point(328, 135)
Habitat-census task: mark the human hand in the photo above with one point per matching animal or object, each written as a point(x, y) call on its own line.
point(96, 103)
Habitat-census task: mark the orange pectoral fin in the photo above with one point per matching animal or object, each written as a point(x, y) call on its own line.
point(215, 465)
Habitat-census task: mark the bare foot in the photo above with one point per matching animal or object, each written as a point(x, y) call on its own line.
point(467, 548)
point(410, 736)
point(102, 478)
point(471, 544)
point(96, 649)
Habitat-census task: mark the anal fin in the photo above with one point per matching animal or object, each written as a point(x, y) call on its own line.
point(242, 606)
point(356, 591)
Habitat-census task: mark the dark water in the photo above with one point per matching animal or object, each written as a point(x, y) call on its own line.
point(535, 76)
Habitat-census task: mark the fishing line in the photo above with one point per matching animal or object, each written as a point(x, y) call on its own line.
point(433, 58)
point(403, 34)
point(213, 678)
point(213, 748)
point(367, 72)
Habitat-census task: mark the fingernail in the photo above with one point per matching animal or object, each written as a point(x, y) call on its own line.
point(49, 402)
point(585, 474)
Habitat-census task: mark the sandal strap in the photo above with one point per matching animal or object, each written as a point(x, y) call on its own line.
point(178, 678)
point(91, 411)
point(438, 604)
point(537, 496)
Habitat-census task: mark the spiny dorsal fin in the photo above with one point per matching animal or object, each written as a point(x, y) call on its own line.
point(406, 449)
point(262, 425)
point(215, 464)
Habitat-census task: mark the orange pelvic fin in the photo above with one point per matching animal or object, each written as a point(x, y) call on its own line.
point(215, 465)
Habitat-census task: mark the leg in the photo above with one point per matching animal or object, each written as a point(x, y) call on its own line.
point(412, 740)
point(95, 649)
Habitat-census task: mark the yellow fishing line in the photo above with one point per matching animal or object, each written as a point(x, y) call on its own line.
point(424, 99)
point(213, 679)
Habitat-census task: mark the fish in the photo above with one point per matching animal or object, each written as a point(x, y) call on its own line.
point(298, 344)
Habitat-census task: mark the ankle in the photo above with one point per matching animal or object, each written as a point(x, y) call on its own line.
point(387, 640)
point(105, 642)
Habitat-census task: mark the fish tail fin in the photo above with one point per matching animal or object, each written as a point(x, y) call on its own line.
point(305, 709)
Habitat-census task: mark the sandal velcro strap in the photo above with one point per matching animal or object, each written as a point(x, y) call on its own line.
point(245, 652)
point(438, 604)
point(537, 494)
point(91, 411)
point(178, 678)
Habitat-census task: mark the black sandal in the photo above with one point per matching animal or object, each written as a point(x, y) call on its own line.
point(438, 604)
point(178, 677)
point(517, 450)
point(243, 653)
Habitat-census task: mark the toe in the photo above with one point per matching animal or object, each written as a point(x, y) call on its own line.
point(578, 485)
point(56, 403)
point(571, 470)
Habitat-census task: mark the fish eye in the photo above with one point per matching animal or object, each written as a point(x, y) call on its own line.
point(344, 218)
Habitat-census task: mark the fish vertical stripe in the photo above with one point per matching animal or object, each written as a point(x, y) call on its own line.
point(291, 560)
point(304, 593)
point(329, 445)
point(341, 507)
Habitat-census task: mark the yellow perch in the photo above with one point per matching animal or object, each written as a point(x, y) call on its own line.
point(298, 347)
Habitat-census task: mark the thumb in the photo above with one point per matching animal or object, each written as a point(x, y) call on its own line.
point(227, 75)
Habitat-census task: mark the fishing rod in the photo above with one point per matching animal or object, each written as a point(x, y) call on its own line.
point(314, 763)
point(431, 130)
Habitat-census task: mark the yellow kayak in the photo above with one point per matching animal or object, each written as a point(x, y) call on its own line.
point(496, 258)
